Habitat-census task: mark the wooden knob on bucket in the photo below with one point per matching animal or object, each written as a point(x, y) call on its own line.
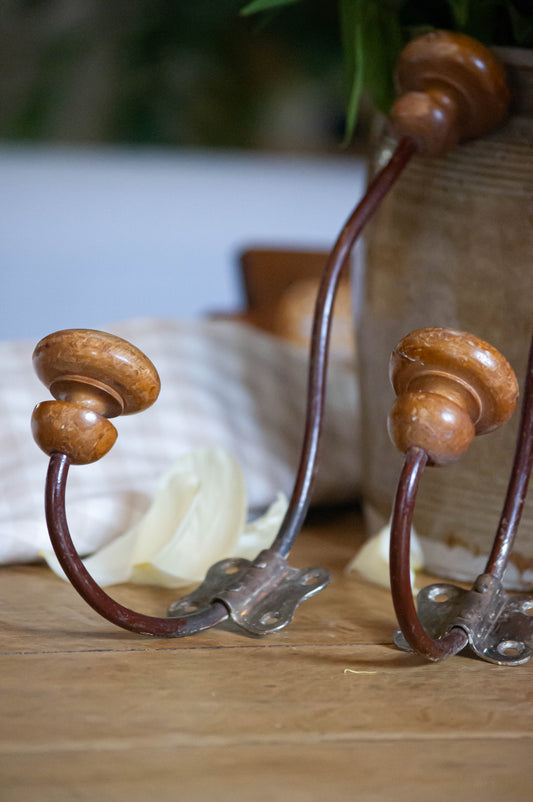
point(450, 387)
point(450, 88)
point(93, 376)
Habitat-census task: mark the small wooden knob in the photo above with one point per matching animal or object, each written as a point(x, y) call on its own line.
point(451, 88)
point(98, 370)
point(84, 435)
point(93, 376)
point(450, 387)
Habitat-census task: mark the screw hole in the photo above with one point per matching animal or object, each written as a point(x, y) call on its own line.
point(270, 618)
point(510, 648)
point(184, 606)
point(308, 579)
point(439, 595)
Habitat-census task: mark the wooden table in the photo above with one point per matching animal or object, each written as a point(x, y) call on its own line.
point(327, 709)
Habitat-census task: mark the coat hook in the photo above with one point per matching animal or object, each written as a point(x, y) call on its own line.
point(451, 88)
point(452, 386)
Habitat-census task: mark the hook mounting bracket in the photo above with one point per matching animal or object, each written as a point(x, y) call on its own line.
point(261, 595)
point(499, 625)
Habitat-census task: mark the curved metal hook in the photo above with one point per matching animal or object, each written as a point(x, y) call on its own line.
point(378, 188)
point(400, 576)
point(90, 591)
point(264, 595)
point(498, 627)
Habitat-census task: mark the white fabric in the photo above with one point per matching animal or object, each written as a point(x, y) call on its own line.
point(223, 384)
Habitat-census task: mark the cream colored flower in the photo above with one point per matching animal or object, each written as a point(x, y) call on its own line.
point(197, 517)
point(372, 559)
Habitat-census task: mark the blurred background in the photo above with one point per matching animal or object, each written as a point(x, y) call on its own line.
point(145, 143)
point(171, 72)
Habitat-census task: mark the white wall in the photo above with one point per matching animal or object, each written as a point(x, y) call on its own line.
point(96, 236)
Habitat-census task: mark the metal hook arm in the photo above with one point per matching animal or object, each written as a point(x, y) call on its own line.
point(91, 592)
point(400, 578)
point(318, 356)
point(518, 482)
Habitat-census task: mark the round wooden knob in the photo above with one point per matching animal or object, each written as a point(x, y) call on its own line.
point(97, 370)
point(93, 376)
point(450, 387)
point(65, 428)
point(451, 88)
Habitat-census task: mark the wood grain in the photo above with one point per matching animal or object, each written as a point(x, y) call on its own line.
point(373, 771)
point(451, 88)
point(90, 712)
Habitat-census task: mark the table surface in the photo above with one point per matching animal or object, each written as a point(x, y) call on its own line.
point(325, 709)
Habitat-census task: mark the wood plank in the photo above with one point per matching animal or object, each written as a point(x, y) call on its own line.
point(276, 694)
point(92, 712)
point(41, 613)
point(404, 771)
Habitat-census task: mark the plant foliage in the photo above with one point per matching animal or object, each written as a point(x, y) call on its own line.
point(373, 33)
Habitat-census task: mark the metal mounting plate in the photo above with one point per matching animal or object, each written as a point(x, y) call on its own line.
point(499, 625)
point(261, 595)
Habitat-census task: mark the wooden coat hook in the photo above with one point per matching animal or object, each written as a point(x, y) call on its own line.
point(451, 88)
point(452, 386)
point(94, 376)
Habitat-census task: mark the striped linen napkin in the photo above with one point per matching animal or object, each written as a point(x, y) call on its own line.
point(224, 384)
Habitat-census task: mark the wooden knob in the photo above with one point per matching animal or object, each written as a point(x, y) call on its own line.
point(450, 387)
point(93, 376)
point(451, 88)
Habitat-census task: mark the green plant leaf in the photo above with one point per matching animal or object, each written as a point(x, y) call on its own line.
point(265, 5)
point(522, 25)
point(460, 10)
point(383, 43)
point(372, 40)
point(352, 35)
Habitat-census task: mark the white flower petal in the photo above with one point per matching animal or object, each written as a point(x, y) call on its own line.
point(195, 519)
point(259, 534)
point(372, 559)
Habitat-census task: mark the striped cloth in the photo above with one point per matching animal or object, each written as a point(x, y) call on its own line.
point(223, 384)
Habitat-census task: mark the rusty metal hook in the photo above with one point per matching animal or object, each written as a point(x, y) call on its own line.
point(496, 625)
point(260, 596)
point(430, 117)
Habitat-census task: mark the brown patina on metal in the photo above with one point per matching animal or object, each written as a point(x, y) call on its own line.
point(498, 626)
